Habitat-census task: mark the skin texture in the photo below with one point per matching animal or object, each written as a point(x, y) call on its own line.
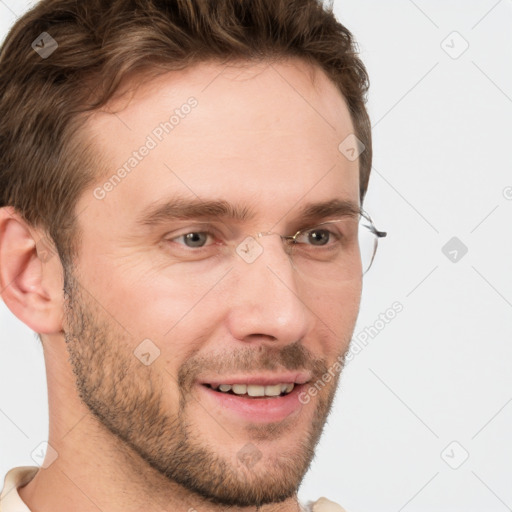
point(131, 436)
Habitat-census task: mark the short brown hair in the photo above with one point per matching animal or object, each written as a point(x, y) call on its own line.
point(45, 165)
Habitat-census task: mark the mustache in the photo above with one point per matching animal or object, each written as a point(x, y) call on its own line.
point(252, 360)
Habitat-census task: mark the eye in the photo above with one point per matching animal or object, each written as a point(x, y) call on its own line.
point(193, 239)
point(318, 236)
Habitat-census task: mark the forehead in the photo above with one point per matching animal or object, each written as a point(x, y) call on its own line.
point(260, 133)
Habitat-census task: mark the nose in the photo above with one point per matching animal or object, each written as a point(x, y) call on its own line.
point(266, 303)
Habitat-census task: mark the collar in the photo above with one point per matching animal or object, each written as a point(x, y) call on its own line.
point(10, 500)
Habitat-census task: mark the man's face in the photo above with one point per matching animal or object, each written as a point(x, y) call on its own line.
point(156, 319)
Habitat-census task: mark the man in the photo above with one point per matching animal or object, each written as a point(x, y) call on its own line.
point(181, 223)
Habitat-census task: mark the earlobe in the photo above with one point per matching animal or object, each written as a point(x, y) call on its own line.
point(30, 280)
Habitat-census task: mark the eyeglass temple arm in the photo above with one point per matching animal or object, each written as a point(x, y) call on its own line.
point(374, 230)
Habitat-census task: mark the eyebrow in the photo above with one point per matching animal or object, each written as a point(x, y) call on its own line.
point(180, 208)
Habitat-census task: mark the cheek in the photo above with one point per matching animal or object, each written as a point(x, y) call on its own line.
point(337, 310)
point(147, 301)
point(177, 313)
point(337, 301)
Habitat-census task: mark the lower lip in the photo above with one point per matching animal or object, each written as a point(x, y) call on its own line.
point(258, 409)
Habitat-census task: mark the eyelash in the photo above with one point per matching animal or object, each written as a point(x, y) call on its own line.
point(206, 229)
point(208, 233)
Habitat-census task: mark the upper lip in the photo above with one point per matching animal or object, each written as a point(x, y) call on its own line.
point(298, 377)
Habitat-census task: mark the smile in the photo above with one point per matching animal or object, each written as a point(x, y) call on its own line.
point(254, 390)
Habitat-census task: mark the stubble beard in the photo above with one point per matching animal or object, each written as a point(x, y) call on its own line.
point(126, 398)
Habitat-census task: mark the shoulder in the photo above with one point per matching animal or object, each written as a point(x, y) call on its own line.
point(324, 505)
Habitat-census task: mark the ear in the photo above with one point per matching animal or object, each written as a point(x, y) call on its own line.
point(31, 275)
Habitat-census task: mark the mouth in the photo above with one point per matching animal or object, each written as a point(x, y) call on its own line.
point(254, 390)
point(258, 399)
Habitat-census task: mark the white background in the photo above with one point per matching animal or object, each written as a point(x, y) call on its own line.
point(432, 386)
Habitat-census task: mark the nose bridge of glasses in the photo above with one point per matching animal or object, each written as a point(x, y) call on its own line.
point(277, 254)
point(286, 239)
point(258, 246)
point(268, 233)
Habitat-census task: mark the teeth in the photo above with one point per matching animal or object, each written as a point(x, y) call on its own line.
point(256, 390)
point(273, 390)
point(239, 389)
point(253, 390)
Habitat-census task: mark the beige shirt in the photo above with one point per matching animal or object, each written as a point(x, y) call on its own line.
point(10, 500)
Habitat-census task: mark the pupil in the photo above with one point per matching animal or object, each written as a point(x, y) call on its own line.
point(321, 237)
point(195, 239)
